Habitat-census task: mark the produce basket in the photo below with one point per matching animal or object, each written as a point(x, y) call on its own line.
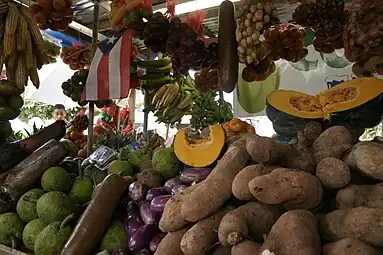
point(4, 250)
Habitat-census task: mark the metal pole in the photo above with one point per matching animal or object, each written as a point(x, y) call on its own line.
point(147, 99)
point(96, 11)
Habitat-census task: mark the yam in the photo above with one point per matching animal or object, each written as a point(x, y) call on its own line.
point(367, 157)
point(171, 219)
point(240, 187)
point(222, 250)
point(203, 235)
point(349, 246)
point(365, 224)
point(170, 244)
point(295, 232)
point(252, 219)
point(333, 142)
point(333, 173)
point(360, 195)
point(300, 157)
point(262, 149)
point(312, 131)
point(213, 192)
point(291, 188)
point(246, 247)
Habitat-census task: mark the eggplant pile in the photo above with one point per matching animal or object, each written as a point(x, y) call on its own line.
point(144, 208)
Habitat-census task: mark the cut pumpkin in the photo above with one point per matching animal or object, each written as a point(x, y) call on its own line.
point(200, 152)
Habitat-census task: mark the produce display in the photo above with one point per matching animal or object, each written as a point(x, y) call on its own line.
point(77, 57)
point(153, 74)
point(52, 14)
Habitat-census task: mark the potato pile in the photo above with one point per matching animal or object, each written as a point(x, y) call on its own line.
point(319, 196)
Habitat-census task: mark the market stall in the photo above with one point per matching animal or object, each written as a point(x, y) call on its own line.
point(96, 185)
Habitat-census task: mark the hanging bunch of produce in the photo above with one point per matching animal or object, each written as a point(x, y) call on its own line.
point(77, 57)
point(253, 18)
point(52, 14)
point(327, 18)
point(153, 74)
point(207, 80)
point(137, 18)
point(130, 14)
point(52, 51)
point(74, 88)
point(363, 37)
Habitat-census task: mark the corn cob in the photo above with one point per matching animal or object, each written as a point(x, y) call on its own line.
point(21, 75)
point(10, 29)
point(37, 38)
point(22, 33)
point(34, 76)
point(10, 72)
point(29, 56)
point(11, 61)
point(3, 8)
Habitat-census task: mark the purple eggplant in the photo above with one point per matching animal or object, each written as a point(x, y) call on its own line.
point(169, 184)
point(132, 222)
point(133, 208)
point(155, 192)
point(137, 191)
point(142, 252)
point(147, 216)
point(178, 188)
point(158, 203)
point(141, 238)
point(194, 175)
point(156, 241)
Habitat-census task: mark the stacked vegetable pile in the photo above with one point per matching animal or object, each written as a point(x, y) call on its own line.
point(284, 197)
point(76, 133)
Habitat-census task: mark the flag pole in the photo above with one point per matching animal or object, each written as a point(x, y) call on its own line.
point(96, 11)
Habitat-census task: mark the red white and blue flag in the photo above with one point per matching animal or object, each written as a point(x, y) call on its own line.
point(109, 74)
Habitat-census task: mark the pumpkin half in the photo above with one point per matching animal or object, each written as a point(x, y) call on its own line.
point(356, 102)
point(199, 152)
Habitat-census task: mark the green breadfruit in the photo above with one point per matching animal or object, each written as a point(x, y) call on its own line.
point(56, 179)
point(26, 206)
point(31, 231)
point(54, 206)
point(11, 228)
point(115, 237)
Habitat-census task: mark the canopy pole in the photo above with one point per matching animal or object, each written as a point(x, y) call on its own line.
point(96, 11)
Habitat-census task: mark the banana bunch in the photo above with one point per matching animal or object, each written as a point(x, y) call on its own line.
point(153, 74)
point(172, 101)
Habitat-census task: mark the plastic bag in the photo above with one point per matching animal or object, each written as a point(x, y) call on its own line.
point(171, 7)
point(195, 21)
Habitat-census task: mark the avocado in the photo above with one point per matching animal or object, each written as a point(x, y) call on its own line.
point(26, 206)
point(31, 231)
point(56, 179)
point(11, 228)
point(54, 206)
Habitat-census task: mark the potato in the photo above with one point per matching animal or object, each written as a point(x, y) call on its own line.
point(170, 244)
point(291, 188)
point(222, 250)
point(365, 224)
point(333, 142)
point(294, 233)
point(333, 173)
point(312, 131)
point(203, 235)
point(367, 157)
point(171, 219)
point(300, 157)
point(262, 149)
point(348, 246)
point(240, 187)
point(246, 247)
point(360, 195)
point(252, 219)
point(213, 192)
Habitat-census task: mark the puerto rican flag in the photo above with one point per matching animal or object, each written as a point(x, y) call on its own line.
point(109, 74)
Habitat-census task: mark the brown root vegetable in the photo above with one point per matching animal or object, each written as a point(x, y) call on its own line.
point(333, 173)
point(365, 224)
point(262, 149)
point(170, 244)
point(246, 247)
point(150, 178)
point(222, 250)
point(295, 232)
point(252, 219)
point(240, 187)
point(349, 246)
point(360, 195)
point(367, 157)
point(333, 142)
point(312, 131)
point(300, 157)
point(291, 188)
point(171, 219)
point(213, 192)
point(203, 235)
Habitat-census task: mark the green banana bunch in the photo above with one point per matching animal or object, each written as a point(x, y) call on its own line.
point(155, 73)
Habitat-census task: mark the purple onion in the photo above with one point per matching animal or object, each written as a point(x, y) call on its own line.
point(155, 192)
point(137, 191)
point(178, 188)
point(156, 241)
point(141, 238)
point(147, 215)
point(169, 184)
point(194, 175)
point(158, 203)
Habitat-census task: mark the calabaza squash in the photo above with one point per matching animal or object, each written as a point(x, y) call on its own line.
point(355, 103)
point(200, 152)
